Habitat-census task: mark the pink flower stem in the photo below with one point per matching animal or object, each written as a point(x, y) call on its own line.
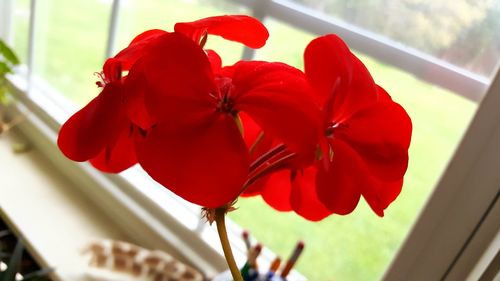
point(266, 170)
point(220, 214)
point(266, 156)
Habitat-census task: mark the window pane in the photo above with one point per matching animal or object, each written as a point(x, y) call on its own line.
point(361, 245)
point(138, 16)
point(462, 32)
point(20, 28)
point(69, 45)
point(281, 47)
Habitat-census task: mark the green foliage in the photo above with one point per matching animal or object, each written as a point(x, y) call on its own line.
point(8, 60)
point(8, 54)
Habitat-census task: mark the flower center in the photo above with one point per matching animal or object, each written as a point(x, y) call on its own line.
point(224, 102)
point(334, 126)
point(112, 72)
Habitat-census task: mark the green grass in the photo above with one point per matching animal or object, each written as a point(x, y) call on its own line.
point(71, 39)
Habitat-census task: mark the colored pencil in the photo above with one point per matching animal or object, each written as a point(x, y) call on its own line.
point(273, 268)
point(246, 239)
point(292, 260)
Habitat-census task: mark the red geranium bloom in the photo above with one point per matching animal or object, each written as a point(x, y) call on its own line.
point(364, 145)
point(240, 28)
point(101, 131)
point(193, 145)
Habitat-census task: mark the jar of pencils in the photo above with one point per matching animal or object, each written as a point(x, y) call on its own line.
point(226, 276)
point(251, 271)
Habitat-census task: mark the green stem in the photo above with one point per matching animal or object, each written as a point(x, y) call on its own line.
point(226, 247)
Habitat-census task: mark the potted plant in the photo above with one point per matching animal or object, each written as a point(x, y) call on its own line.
point(311, 141)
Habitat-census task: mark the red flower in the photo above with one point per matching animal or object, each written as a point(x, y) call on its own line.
point(100, 131)
point(364, 148)
point(240, 28)
point(194, 145)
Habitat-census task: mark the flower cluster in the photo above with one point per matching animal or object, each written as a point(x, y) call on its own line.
point(311, 141)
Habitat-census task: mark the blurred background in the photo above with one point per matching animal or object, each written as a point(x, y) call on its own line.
point(71, 40)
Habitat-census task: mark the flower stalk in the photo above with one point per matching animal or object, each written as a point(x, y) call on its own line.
point(220, 215)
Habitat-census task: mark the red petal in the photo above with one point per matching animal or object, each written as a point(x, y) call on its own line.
point(278, 191)
point(240, 28)
point(251, 131)
point(137, 48)
point(304, 198)
point(380, 194)
point(327, 59)
point(276, 97)
point(339, 185)
point(205, 164)
point(380, 135)
point(118, 156)
point(342, 82)
point(215, 61)
point(112, 69)
point(94, 126)
point(383, 96)
point(134, 93)
point(176, 79)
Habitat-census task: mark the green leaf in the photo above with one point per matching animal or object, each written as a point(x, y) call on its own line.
point(3, 95)
point(14, 263)
point(4, 69)
point(8, 54)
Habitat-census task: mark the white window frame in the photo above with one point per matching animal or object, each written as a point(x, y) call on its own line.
point(433, 70)
point(447, 241)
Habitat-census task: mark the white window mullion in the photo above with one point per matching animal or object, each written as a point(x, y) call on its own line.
point(31, 41)
point(113, 28)
point(6, 18)
point(480, 246)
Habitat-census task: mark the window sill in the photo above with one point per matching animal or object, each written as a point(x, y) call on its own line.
point(41, 205)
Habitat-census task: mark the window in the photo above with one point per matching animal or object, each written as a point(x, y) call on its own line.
point(438, 74)
point(459, 32)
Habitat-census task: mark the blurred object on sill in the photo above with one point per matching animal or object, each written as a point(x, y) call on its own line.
point(112, 260)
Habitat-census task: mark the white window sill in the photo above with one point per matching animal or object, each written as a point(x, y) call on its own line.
point(41, 205)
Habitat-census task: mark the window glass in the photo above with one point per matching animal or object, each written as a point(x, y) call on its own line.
point(70, 40)
point(361, 245)
point(71, 37)
point(462, 32)
point(281, 47)
point(20, 28)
